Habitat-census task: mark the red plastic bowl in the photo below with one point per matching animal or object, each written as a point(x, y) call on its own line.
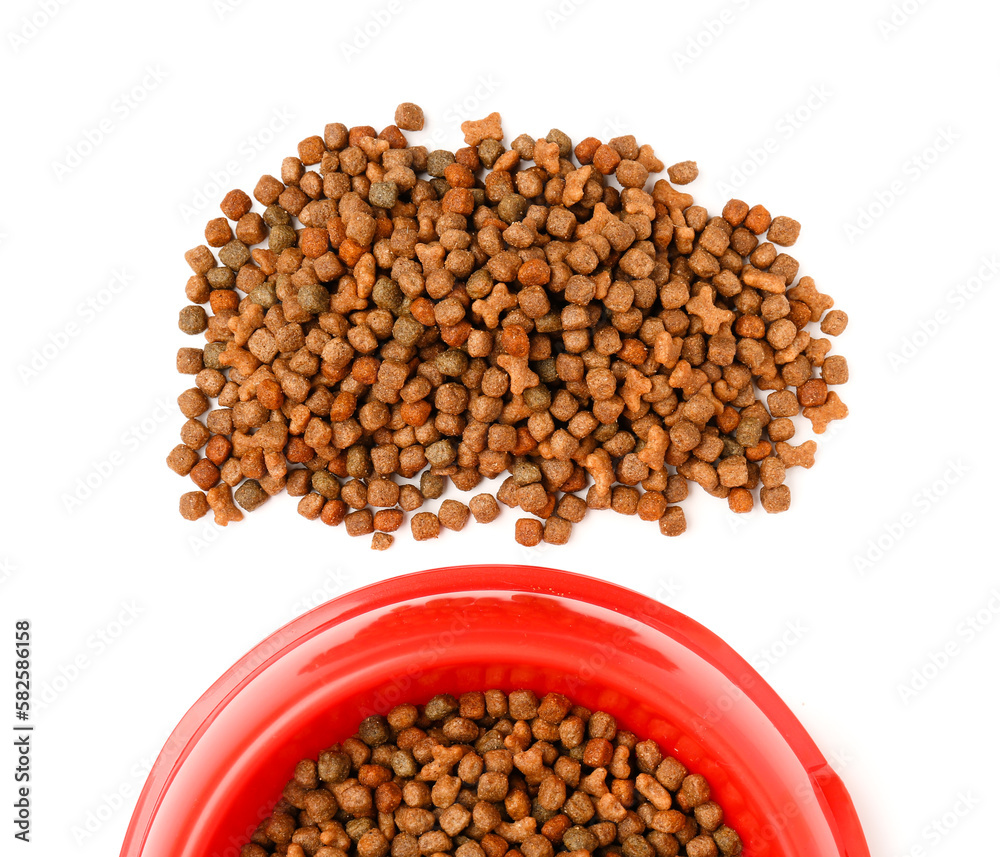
point(471, 628)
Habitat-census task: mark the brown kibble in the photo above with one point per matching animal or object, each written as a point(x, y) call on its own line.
point(484, 508)
point(606, 159)
point(812, 393)
point(556, 530)
point(834, 323)
point(740, 500)
point(359, 522)
point(834, 370)
point(409, 117)
point(190, 361)
point(205, 474)
point(758, 219)
point(783, 231)
point(528, 531)
point(235, 204)
point(424, 526)
point(193, 505)
point(735, 211)
point(673, 523)
point(683, 172)
point(776, 499)
point(182, 459)
point(453, 514)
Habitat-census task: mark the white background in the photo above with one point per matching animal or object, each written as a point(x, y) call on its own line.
point(135, 611)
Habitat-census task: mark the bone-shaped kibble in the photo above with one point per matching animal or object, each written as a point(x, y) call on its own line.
point(547, 156)
point(239, 359)
point(575, 182)
point(244, 324)
point(822, 415)
point(636, 386)
point(667, 349)
point(489, 309)
point(703, 305)
point(220, 501)
point(347, 300)
point(803, 455)
point(817, 302)
point(521, 375)
point(653, 452)
point(477, 130)
point(431, 255)
point(598, 465)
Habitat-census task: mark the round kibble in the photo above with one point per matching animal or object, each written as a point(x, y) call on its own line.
point(424, 526)
point(683, 172)
point(528, 531)
point(484, 508)
point(453, 514)
point(250, 495)
point(193, 505)
point(193, 319)
point(409, 117)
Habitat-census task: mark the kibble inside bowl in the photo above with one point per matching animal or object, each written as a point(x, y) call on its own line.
point(454, 631)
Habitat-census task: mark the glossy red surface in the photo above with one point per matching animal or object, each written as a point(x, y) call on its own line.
point(470, 628)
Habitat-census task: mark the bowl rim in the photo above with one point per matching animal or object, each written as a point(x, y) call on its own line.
point(838, 808)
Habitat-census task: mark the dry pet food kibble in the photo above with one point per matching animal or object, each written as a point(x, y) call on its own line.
point(494, 775)
point(550, 315)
